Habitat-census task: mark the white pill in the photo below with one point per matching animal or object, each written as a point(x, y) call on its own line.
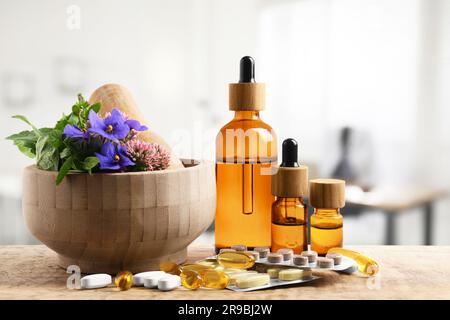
point(275, 257)
point(169, 282)
point(151, 281)
point(263, 251)
point(287, 253)
point(337, 257)
point(325, 262)
point(239, 247)
point(300, 260)
point(138, 278)
point(94, 281)
point(312, 255)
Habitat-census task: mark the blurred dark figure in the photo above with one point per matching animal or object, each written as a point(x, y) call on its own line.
point(344, 169)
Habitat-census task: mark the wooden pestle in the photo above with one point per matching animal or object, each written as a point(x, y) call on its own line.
point(117, 96)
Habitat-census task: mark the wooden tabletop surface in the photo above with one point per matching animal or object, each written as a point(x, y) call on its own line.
point(394, 199)
point(406, 272)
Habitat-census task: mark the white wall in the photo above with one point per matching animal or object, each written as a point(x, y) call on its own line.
point(381, 66)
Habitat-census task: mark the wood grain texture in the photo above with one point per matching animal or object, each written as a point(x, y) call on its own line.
point(327, 193)
point(290, 182)
point(406, 272)
point(117, 96)
point(247, 96)
point(107, 222)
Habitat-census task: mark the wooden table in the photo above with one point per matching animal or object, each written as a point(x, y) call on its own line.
point(396, 200)
point(407, 272)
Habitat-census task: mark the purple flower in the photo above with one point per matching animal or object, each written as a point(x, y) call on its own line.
point(134, 124)
point(113, 127)
point(113, 157)
point(73, 131)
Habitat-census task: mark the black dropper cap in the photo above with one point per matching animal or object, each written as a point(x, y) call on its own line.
point(247, 70)
point(290, 153)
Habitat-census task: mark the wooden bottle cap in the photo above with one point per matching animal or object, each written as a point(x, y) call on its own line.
point(250, 96)
point(290, 182)
point(327, 193)
point(247, 95)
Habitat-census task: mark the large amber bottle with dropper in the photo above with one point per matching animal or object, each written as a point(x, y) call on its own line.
point(246, 149)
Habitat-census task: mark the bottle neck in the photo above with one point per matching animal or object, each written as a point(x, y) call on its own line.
point(291, 201)
point(246, 115)
point(327, 211)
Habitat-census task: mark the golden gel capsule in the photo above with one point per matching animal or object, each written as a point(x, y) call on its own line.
point(195, 267)
point(212, 263)
point(236, 260)
point(214, 279)
point(170, 267)
point(190, 279)
point(124, 280)
point(365, 264)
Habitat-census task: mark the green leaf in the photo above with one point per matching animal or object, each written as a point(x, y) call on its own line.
point(26, 149)
point(24, 119)
point(47, 156)
point(76, 109)
point(89, 163)
point(55, 138)
point(65, 168)
point(28, 136)
point(25, 142)
point(74, 120)
point(65, 153)
point(96, 107)
point(61, 124)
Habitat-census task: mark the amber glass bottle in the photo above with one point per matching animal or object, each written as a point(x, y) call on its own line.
point(245, 151)
point(327, 196)
point(289, 212)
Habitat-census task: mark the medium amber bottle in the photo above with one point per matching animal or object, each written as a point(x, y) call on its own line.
point(245, 151)
point(289, 212)
point(327, 196)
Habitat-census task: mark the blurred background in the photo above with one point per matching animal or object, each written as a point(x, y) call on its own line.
point(363, 85)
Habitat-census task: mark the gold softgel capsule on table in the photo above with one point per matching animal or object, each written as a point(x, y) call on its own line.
point(170, 267)
point(236, 260)
point(255, 254)
point(190, 279)
point(196, 267)
point(226, 250)
point(214, 279)
point(254, 280)
point(366, 264)
point(294, 274)
point(124, 280)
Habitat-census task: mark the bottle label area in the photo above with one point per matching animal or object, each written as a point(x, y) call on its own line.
point(244, 199)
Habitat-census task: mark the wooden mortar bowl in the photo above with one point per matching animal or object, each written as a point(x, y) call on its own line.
point(108, 222)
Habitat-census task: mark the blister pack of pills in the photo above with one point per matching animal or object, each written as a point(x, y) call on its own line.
point(346, 265)
point(260, 281)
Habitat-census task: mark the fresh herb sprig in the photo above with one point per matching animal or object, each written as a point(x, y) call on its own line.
point(83, 141)
point(52, 150)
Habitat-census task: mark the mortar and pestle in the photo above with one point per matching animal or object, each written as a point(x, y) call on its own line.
point(108, 222)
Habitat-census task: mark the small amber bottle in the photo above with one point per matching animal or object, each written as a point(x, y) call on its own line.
point(289, 212)
point(327, 196)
